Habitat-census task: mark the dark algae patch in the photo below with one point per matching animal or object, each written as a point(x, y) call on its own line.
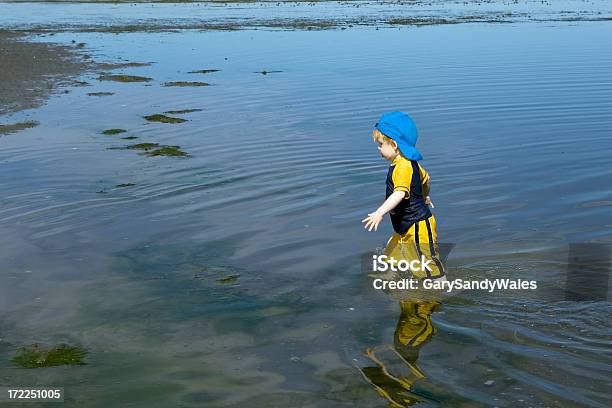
point(16, 127)
point(179, 112)
point(142, 146)
point(124, 185)
point(421, 21)
point(203, 71)
point(137, 146)
point(129, 138)
point(154, 149)
point(35, 356)
point(164, 119)
point(100, 93)
point(172, 151)
point(124, 78)
point(186, 83)
point(264, 72)
point(228, 279)
point(123, 65)
point(113, 131)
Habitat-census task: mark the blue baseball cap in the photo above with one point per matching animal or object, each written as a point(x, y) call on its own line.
point(401, 128)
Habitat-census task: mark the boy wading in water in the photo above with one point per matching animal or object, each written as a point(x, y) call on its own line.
point(414, 238)
point(407, 198)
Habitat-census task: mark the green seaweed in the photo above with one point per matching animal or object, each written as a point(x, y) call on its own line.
point(123, 185)
point(100, 93)
point(203, 71)
point(16, 127)
point(113, 131)
point(186, 83)
point(228, 279)
point(35, 356)
point(173, 151)
point(137, 146)
point(129, 138)
point(123, 65)
point(154, 149)
point(142, 146)
point(164, 119)
point(124, 78)
point(178, 112)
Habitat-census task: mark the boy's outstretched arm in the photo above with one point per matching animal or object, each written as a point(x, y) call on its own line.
point(373, 219)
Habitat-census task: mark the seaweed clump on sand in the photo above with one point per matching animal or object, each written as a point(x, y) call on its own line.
point(186, 83)
point(164, 119)
point(113, 131)
point(100, 93)
point(203, 71)
point(181, 111)
point(16, 127)
point(124, 78)
point(35, 356)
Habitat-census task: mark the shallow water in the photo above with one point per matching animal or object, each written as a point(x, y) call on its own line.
point(129, 16)
point(515, 128)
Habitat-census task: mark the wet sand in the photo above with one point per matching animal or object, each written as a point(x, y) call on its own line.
point(31, 71)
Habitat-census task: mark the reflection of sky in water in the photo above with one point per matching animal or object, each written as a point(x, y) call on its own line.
point(282, 171)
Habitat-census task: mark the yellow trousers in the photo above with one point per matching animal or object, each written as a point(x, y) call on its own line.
point(419, 242)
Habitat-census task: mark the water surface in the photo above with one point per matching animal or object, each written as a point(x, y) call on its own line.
point(514, 126)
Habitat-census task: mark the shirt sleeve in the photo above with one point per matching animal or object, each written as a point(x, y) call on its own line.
point(402, 178)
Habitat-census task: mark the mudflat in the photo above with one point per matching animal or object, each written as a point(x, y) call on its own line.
point(32, 70)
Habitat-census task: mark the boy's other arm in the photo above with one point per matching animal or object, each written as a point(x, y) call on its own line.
point(426, 187)
point(425, 182)
point(426, 193)
point(373, 219)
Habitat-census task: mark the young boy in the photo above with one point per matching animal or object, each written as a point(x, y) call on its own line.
point(407, 197)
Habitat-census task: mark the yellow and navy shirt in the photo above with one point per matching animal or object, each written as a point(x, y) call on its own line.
point(407, 175)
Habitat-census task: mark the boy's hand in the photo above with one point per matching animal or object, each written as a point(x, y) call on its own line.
point(372, 221)
point(429, 202)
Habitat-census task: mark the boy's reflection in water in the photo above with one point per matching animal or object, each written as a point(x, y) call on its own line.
point(396, 370)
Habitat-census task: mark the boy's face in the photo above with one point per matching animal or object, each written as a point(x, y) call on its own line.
point(387, 150)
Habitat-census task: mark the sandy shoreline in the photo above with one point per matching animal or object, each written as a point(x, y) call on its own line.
point(31, 71)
